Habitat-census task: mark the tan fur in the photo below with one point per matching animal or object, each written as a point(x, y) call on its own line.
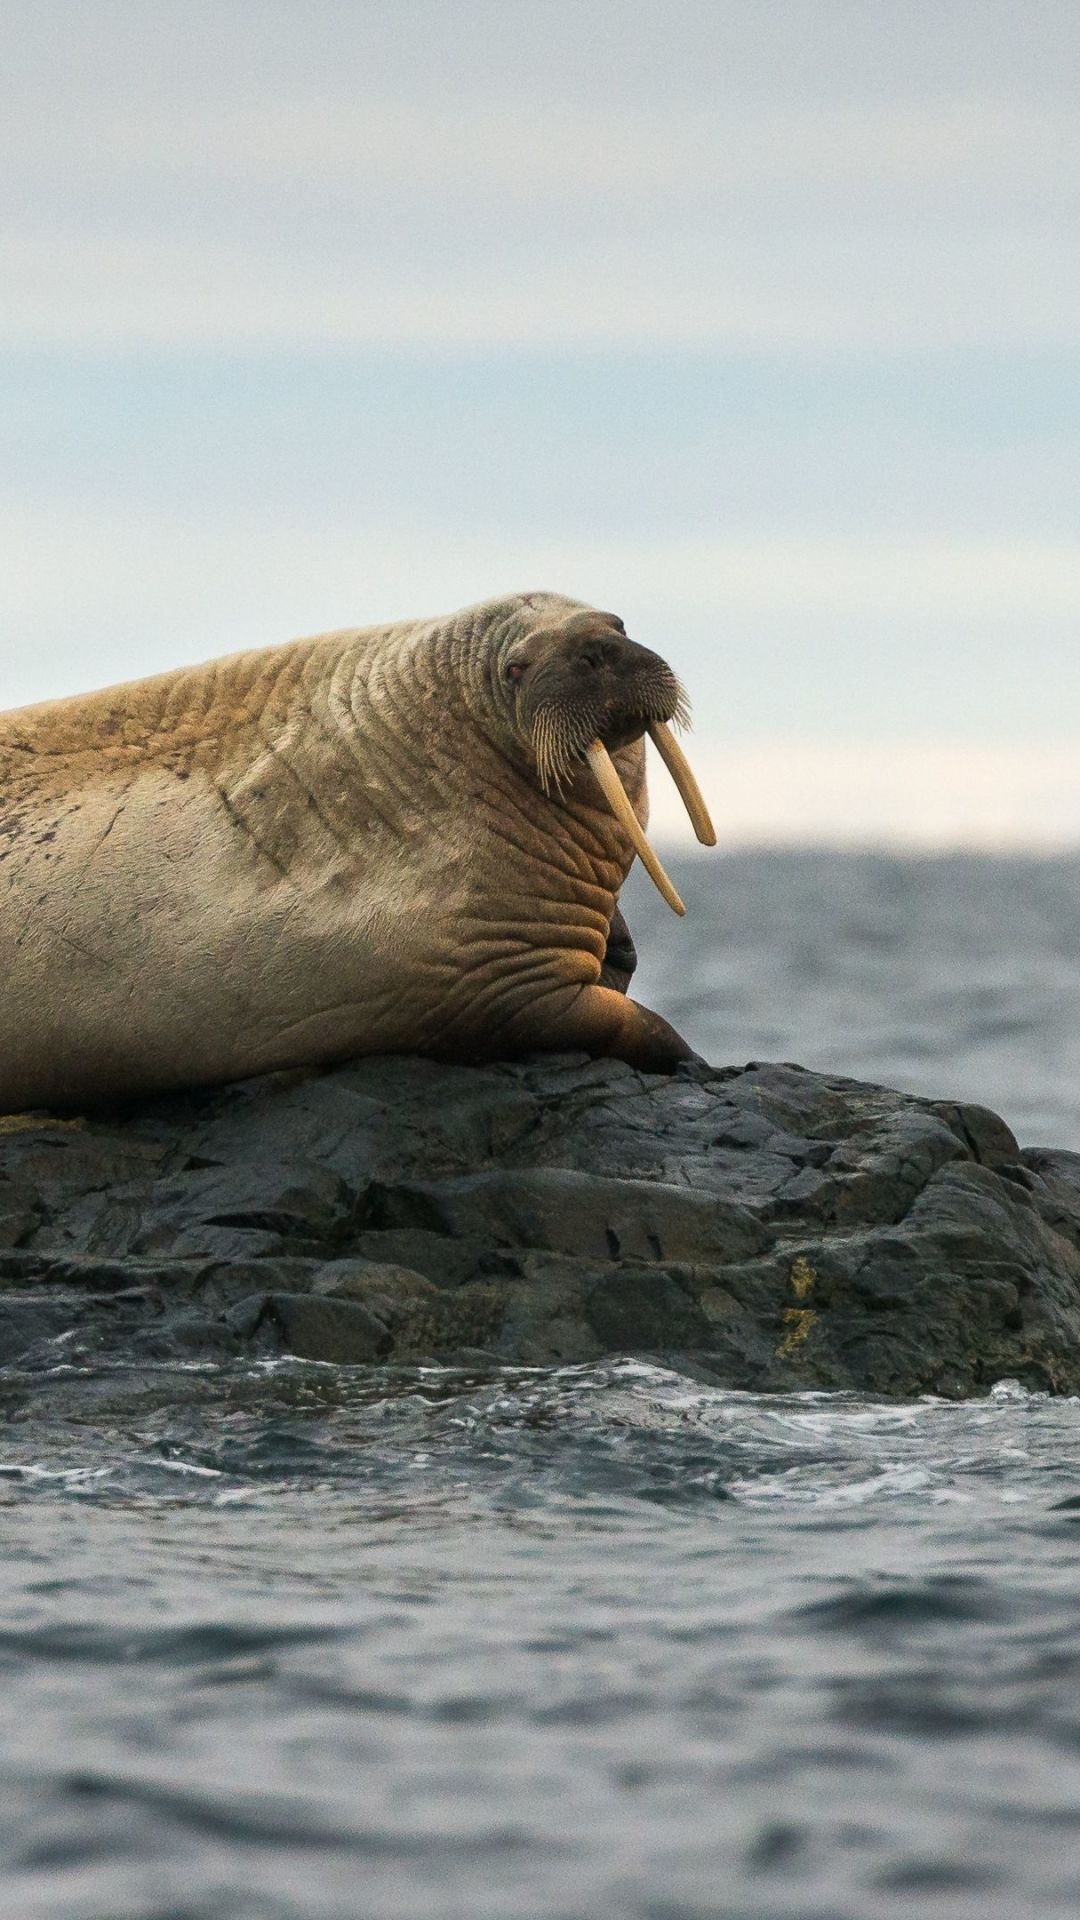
point(291, 856)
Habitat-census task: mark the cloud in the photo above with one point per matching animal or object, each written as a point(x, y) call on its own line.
point(938, 156)
point(298, 210)
point(811, 290)
point(165, 578)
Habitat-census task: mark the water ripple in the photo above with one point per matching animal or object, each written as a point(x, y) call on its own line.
point(535, 1642)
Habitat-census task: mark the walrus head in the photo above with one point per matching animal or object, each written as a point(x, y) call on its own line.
point(579, 691)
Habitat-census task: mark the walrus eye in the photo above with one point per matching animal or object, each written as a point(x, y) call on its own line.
point(515, 672)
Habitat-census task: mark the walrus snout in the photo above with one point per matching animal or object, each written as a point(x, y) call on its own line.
point(594, 685)
point(629, 683)
point(643, 692)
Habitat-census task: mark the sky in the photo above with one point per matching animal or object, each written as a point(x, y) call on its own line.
point(757, 324)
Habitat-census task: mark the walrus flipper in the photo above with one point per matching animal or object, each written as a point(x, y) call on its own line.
point(587, 1019)
point(620, 960)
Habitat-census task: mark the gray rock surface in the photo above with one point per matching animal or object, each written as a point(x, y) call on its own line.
point(763, 1228)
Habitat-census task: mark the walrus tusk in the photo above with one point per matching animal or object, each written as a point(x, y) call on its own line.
point(679, 768)
point(618, 800)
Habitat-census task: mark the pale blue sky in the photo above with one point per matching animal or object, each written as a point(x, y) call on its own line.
point(759, 324)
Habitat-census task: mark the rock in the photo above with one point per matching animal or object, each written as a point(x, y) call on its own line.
point(318, 1328)
point(763, 1228)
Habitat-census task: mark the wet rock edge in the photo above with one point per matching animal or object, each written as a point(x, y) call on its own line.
point(761, 1227)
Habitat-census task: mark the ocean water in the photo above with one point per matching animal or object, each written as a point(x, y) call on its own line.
point(956, 977)
point(294, 1640)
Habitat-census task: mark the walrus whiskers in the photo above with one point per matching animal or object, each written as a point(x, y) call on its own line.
point(689, 792)
point(615, 794)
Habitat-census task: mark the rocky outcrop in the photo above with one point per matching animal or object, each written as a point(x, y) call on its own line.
point(763, 1228)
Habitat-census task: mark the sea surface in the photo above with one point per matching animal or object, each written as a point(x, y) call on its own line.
point(293, 1640)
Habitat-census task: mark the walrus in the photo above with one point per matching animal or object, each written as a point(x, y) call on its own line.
point(405, 838)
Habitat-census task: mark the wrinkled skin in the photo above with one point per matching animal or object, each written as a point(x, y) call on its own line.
point(620, 957)
point(337, 847)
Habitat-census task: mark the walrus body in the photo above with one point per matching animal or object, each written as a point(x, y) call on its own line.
point(336, 847)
